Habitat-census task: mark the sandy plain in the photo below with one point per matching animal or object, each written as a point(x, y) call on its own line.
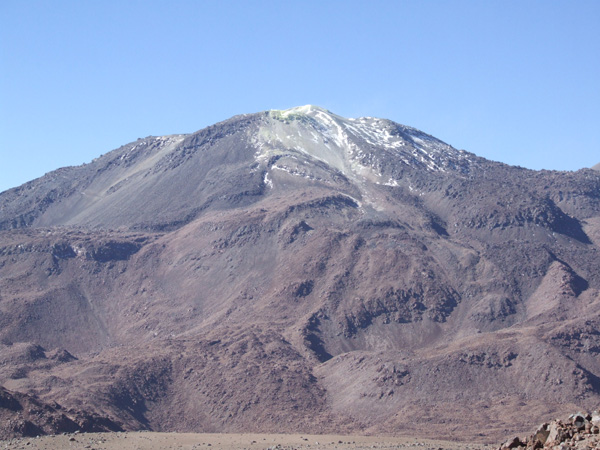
point(194, 441)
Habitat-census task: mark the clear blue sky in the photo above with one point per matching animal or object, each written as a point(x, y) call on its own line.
point(513, 81)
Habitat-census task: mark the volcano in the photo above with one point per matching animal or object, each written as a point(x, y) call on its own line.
point(299, 271)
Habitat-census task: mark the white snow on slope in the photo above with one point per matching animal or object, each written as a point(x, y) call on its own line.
point(362, 147)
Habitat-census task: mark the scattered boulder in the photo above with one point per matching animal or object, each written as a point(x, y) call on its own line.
point(542, 432)
point(512, 443)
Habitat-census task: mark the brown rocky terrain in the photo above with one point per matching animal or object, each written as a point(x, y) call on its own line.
point(295, 271)
point(25, 415)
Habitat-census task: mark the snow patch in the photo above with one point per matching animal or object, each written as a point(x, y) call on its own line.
point(267, 181)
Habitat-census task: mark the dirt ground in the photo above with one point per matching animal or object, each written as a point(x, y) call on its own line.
point(188, 441)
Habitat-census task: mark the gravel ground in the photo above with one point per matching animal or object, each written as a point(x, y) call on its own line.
point(188, 441)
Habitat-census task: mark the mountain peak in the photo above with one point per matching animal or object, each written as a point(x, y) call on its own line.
point(234, 162)
point(365, 147)
point(325, 273)
point(305, 109)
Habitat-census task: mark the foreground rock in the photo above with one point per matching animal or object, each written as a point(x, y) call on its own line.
point(579, 431)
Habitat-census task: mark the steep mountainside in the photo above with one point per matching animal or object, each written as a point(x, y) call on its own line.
point(296, 270)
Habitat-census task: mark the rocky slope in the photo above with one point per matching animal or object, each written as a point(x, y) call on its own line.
point(299, 271)
point(25, 415)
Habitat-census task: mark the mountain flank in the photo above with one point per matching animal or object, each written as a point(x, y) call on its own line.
point(297, 271)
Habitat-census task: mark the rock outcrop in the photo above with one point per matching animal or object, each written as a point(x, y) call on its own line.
point(581, 431)
point(26, 415)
